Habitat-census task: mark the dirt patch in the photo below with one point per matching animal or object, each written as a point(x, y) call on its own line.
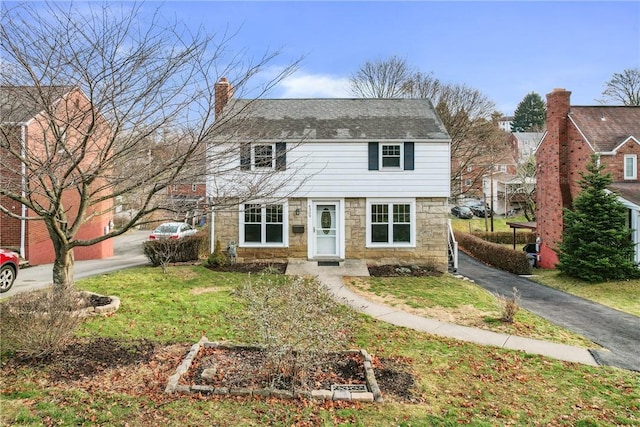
point(402, 270)
point(253, 267)
point(208, 290)
point(139, 367)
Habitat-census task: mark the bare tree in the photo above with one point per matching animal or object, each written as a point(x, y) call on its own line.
point(623, 87)
point(381, 78)
point(125, 106)
point(462, 109)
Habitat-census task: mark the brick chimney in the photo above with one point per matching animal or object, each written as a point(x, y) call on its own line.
point(558, 107)
point(223, 92)
point(553, 189)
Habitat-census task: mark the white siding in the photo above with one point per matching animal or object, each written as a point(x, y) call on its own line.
point(340, 169)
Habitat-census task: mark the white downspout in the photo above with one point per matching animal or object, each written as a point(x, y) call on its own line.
point(212, 234)
point(23, 173)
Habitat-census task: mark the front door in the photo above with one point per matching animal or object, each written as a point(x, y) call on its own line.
point(325, 229)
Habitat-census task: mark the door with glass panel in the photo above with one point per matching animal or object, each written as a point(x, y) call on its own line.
point(325, 229)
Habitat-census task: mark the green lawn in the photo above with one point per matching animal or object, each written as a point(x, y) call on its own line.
point(458, 301)
point(479, 224)
point(623, 295)
point(454, 382)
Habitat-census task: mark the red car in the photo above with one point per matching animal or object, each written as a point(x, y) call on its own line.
point(9, 262)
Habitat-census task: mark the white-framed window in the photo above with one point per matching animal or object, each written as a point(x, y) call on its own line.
point(630, 166)
point(391, 156)
point(263, 156)
point(391, 222)
point(263, 224)
point(468, 182)
point(194, 187)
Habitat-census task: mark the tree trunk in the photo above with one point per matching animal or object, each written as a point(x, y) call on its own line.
point(63, 266)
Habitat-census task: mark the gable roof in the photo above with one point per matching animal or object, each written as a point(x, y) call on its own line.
point(605, 128)
point(336, 119)
point(21, 103)
point(627, 190)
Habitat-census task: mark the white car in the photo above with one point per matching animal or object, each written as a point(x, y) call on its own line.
point(172, 230)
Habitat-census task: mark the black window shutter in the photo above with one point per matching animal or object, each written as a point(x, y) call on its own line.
point(373, 156)
point(281, 156)
point(245, 157)
point(409, 164)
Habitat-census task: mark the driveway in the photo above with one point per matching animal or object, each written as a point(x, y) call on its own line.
point(617, 332)
point(127, 252)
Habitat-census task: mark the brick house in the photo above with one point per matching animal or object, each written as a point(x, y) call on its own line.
point(573, 134)
point(26, 128)
point(360, 179)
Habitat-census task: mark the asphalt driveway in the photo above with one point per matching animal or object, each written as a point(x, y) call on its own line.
point(617, 332)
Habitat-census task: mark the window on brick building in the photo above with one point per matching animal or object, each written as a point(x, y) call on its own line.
point(630, 166)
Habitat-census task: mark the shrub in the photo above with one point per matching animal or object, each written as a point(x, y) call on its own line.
point(38, 323)
point(509, 306)
point(295, 319)
point(217, 258)
point(506, 237)
point(513, 261)
point(163, 252)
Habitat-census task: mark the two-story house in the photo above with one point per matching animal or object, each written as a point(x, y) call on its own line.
point(357, 179)
point(28, 154)
point(573, 134)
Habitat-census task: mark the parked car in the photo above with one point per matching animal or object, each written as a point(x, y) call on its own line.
point(461, 212)
point(172, 230)
point(9, 264)
point(479, 211)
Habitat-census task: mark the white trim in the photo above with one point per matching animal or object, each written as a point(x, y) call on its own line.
point(391, 201)
point(634, 168)
point(264, 244)
point(340, 225)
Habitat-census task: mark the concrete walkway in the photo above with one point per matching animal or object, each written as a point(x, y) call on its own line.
point(332, 278)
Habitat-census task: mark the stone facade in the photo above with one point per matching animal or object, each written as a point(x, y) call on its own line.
point(431, 235)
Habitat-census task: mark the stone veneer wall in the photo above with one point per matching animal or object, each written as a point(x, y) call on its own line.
point(431, 235)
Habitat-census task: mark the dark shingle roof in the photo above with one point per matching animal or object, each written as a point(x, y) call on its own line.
point(627, 190)
point(607, 127)
point(21, 103)
point(337, 119)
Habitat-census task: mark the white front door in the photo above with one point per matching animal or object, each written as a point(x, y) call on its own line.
point(325, 231)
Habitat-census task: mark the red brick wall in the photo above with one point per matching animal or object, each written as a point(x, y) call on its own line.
point(38, 246)
point(562, 155)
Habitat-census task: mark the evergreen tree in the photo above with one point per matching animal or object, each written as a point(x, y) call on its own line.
point(596, 244)
point(530, 115)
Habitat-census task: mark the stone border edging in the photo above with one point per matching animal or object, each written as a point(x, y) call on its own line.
point(103, 309)
point(173, 386)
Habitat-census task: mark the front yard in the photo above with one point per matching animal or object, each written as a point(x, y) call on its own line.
point(447, 382)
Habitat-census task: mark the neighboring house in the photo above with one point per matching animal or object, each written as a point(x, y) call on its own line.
point(573, 134)
point(359, 179)
point(523, 145)
point(510, 191)
point(504, 123)
point(24, 129)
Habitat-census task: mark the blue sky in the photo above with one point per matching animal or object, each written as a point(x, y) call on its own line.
point(505, 49)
